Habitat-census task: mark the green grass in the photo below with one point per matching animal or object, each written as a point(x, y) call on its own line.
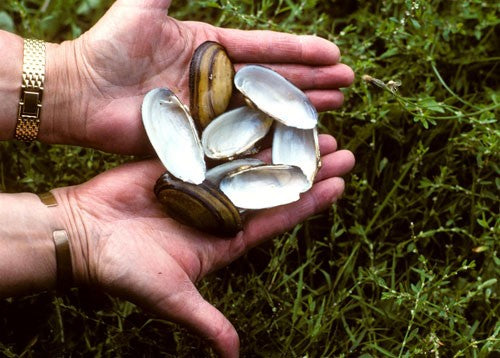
point(405, 265)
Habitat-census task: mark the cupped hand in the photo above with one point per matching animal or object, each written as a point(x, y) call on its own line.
point(123, 242)
point(136, 46)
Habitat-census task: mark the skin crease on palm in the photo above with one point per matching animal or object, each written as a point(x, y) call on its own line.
point(124, 244)
point(121, 240)
point(120, 59)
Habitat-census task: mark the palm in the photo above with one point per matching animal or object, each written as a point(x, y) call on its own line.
point(144, 256)
point(132, 220)
point(138, 253)
point(136, 47)
point(129, 61)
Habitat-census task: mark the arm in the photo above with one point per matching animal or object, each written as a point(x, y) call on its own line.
point(27, 260)
point(10, 82)
point(122, 242)
point(58, 94)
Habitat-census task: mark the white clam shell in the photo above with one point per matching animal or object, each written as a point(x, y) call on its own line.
point(275, 95)
point(264, 186)
point(216, 174)
point(234, 133)
point(172, 134)
point(299, 147)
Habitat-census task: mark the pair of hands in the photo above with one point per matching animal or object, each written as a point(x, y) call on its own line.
point(121, 239)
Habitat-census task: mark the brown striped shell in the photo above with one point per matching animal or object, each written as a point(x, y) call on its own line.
point(211, 76)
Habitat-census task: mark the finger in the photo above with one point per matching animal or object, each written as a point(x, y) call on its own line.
point(335, 164)
point(191, 309)
point(313, 77)
point(325, 100)
point(327, 145)
point(267, 223)
point(275, 47)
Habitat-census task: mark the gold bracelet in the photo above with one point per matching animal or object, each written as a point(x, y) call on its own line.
point(64, 266)
point(30, 102)
point(63, 260)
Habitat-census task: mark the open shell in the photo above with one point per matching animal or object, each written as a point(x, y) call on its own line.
point(275, 95)
point(234, 133)
point(212, 201)
point(172, 133)
point(299, 147)
point(216, 174)
point(264, 186)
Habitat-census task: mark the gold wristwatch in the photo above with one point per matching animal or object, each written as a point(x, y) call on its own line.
point(30, 102)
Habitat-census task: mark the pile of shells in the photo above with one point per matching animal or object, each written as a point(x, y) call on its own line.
point(212, 200)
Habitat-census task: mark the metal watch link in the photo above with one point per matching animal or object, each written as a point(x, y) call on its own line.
point(30, 102)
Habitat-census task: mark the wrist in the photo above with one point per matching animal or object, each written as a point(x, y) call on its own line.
point(81, 229)
point(62, 102)
point(10, 82)
point(27, 249)
point(62, 96)
point(27, 260)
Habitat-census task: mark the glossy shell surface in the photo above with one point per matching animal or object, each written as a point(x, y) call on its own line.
point(216, 174)
point(172, 133)
point(201, 206)
point(212, 201)
point(235, 132)
point(276, 96)
point(299, 147)
point(264, 186)
point(211, 76)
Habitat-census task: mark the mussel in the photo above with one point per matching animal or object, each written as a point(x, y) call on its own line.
point(211, 76)
point(181, 190)
point(265, 186)
point(216, 174)
point(172, 134)
point(299, 147)
point(234, 133)
point(213, 200)
point(276, 96)
point(201, 206)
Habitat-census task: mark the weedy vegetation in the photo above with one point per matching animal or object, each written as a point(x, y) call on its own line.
point(406, 264)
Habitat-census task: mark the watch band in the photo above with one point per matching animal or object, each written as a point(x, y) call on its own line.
point(30, 102)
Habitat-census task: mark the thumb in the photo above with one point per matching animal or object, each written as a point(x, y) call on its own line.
point(191, 309)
